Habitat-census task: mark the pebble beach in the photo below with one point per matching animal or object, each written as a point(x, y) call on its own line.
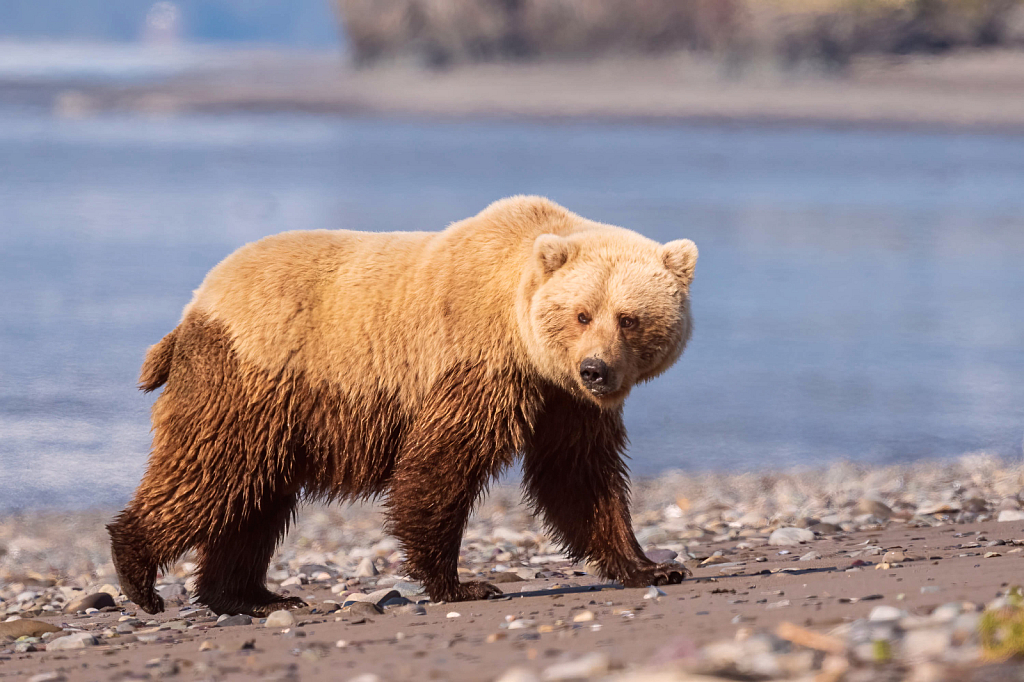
point(838, 573)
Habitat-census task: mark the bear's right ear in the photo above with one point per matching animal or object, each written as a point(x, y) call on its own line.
point(551, 252)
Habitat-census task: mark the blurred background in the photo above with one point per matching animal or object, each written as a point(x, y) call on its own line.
point(852, 171)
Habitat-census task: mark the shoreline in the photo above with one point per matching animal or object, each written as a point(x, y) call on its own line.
point(799, 574)
point(968, 91)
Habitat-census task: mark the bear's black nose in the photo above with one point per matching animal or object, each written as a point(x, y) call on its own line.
point(594, 373)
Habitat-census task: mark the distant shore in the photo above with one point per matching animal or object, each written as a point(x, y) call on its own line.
point(968, 90)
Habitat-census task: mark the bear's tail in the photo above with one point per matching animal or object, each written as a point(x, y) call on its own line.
point(157, 366)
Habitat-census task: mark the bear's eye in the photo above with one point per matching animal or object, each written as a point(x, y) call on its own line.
point(626, 321)
point(583, 318)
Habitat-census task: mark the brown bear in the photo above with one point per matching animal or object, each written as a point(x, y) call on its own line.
point(415, 366)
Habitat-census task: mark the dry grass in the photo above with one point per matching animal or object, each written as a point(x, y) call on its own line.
point(441, 32)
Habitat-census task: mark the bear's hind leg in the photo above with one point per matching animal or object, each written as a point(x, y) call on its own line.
point(136, 559)
point(232, 573)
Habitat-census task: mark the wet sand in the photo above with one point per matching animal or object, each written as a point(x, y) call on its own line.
point(917, 551)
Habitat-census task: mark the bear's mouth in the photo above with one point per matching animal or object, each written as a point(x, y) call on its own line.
point(606, 397)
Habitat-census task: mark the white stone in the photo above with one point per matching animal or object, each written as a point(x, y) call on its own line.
point(1011, 515)
point(588, 665)
point(810, 556)
point(366, 568)
point(280, 619)
point(77, 640)
point(521, 624)
point(886, 613)
point(653, 593)
point(583, 617)
point(453, 614)
point(782, 537)
point(294, 580)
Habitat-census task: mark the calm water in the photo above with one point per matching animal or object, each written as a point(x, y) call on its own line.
point(859, 295)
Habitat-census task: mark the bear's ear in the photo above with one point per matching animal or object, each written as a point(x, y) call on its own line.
point(680, 258)
point(551, 252)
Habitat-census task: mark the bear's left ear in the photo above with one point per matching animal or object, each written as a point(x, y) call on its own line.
point(680, 258)
point(551, 252)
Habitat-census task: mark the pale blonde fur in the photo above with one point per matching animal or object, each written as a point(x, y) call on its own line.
point(347, 308)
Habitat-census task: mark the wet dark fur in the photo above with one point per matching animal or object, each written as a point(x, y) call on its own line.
point(235, 449)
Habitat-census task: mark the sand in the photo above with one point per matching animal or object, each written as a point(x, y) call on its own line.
point(920, 541)
point(965, 90)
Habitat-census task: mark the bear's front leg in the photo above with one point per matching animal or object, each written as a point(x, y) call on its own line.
point(575, 476)
point(458, 444)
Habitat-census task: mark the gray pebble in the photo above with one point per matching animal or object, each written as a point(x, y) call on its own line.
point(661, 556)
point(240, 619)
point(790, 536)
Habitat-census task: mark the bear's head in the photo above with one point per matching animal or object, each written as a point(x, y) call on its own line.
point(606, 308)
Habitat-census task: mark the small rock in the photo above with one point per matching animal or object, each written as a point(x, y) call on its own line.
point(811, 556)
point(366, 568)
point(875, 508)
point(661, 556)
point(364, 609)
point(76, 640)
point(584, 616)
point(394, 602)
point(588, 665)
point(824, 528)
point(506, 577)
point(894, 556)
point(1011, 515)
point(408, 589)
point(97, 600)
point(293, 581)
point(231, 621)
point(280, 619)
point(989, 555)
point(653, 593)
point(521, 624)
point(23, 627)
point(207, 645)
point(453, 614)
point(886, 613)
point(379, 597)
point(790, 536)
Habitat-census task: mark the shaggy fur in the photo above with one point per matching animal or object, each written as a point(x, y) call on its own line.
point(418, 366)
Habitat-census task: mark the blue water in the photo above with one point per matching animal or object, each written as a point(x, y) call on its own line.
point(859, 294)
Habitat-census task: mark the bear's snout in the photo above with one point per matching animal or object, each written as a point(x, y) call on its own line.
point(596, 376)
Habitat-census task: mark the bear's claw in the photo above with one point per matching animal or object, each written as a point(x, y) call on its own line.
point(669, 574)
point(657, 574)
point(284, 603)
point(477, 590)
